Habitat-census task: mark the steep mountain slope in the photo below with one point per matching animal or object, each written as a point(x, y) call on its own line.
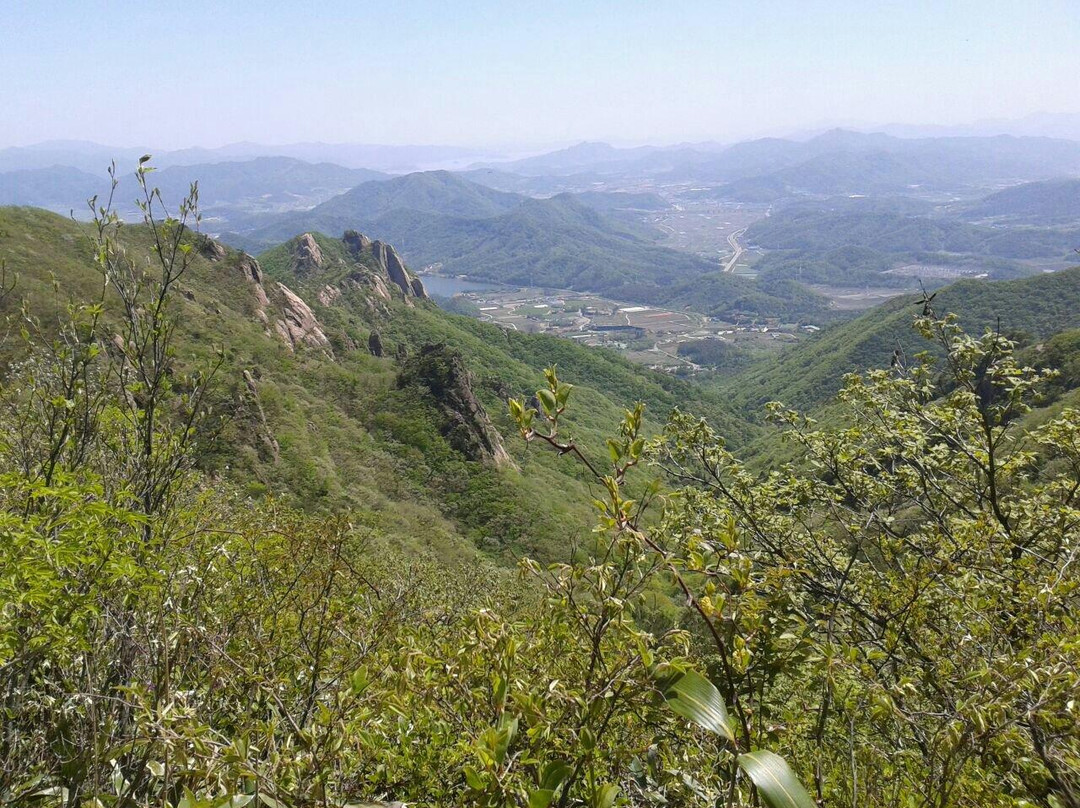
point(335, 395)
point(809, 374)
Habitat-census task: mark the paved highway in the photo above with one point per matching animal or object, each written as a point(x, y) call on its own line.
point(737, 248)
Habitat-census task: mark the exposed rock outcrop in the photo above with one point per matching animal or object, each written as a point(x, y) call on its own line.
point(387, 262)
point(390, 263)
point(328, 294)
point(356, 243)
point(307, 255)
point(249, 267)
point(374, 344)
point(252, 272)
point(265, 433)
point(441, 371)
point(298, 325)
point(210, 249)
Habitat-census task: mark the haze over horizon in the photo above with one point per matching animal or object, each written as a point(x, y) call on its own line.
point(509, 76)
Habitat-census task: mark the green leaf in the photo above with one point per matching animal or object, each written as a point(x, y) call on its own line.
point(775, 780)
point(605, 796)
point(554, 774)
point(472, 778)
point(237, 801)
point(547, 400)
point(694, 697)
point(541, 798)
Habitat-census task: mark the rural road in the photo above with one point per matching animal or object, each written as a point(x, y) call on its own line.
point(733, 240)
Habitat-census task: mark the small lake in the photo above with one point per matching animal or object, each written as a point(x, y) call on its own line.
point(441, 286)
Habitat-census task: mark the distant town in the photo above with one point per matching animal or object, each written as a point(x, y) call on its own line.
point(648, 335)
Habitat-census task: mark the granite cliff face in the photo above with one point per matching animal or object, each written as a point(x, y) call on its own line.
point(282, 311)
point(298, 324)
point(386, 260)
point(440, 371)
point(307, 255)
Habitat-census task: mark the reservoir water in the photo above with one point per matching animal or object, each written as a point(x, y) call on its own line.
point(441, 286)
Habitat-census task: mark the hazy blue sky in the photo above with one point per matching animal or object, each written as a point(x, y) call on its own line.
point(207, 73)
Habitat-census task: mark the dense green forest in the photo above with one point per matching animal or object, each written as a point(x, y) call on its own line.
point(281, 532)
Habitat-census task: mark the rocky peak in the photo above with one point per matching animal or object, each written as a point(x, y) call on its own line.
point(210, 249)
point(307, 256)
point(250, 268)
point(298, 324)
point(441, 371)
point(356, 243)
point(387, 261)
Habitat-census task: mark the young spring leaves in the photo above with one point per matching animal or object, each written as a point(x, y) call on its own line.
point(695, 698)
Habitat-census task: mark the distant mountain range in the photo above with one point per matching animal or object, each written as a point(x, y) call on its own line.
point(259, 184)
point(845, 207)
point(438, 217)
point(95, 157)
point(1065, 125)
point(835, 162)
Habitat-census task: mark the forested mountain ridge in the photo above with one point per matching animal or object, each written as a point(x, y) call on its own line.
point(822, 230)
point(1040, 203)
point(567, 241)
point(808, 375)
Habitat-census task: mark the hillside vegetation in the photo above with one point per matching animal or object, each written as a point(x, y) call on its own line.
point(893, 621)
point(324, 424)
point(811, 373)
point(257, 516)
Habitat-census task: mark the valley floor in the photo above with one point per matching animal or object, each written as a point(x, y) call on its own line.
point(648, 335)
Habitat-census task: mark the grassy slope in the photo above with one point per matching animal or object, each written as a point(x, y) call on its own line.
point(348, 437)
